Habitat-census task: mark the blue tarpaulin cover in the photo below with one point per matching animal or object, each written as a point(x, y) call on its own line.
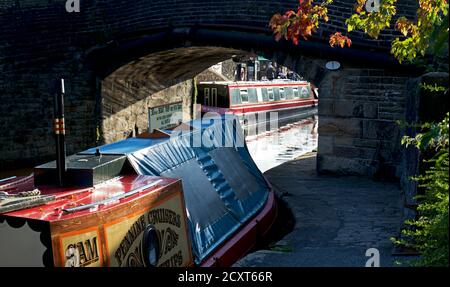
point(222, 185)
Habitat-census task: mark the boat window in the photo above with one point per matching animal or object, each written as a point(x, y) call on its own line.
point(252, 95)
point(276, 93)
point(235, 96)
point(206, 97)
point(244, 96)
point(304, 92)
point(222, 98)
point(214, 97)
point(296, 93)
point(265, 95)
point(270, 94)
point(259, 95)
point(289, 93)
point(282, 94)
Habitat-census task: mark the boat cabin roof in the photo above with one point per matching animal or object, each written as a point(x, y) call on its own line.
point(70, 197)
point(279, 82)
point(131, 145)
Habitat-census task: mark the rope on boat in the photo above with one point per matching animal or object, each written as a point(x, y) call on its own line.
point(34, 192)
point(18, 184)
point(17, 203)
point(19, 193)
point(22, 194)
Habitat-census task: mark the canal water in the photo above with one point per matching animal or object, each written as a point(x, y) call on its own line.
point(268, 149)
point(279, 145)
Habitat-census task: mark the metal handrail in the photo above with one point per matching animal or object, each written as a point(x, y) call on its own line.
point(114, 198)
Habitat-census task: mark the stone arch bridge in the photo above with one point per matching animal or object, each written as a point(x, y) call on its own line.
point(155, 44)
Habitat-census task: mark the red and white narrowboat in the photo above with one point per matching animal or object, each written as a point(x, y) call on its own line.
point(244, 99)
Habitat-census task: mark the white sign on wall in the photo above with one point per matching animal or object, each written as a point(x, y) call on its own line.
point(217, 68)
point(165, 116)
point(333, 65)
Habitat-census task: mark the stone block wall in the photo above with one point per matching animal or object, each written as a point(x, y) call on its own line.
point(40, 42)
point(26, 113)
point(358, 113)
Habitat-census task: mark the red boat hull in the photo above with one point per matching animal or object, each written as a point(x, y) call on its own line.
point(245, 238)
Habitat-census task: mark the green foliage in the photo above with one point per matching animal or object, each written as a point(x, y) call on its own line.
point(439, 36)
point(434, 136)
point(428, 33)
point(402, 49)
point(429, 231)
point(98, 134)
point(433, 88)
point(195, 96)
point(372, 22)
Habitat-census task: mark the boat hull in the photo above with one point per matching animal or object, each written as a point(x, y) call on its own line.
point(246, 238)
point(111, 234)
point(131, 191)
point(254, 123)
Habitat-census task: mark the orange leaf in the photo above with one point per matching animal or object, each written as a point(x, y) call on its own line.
point(340, 40)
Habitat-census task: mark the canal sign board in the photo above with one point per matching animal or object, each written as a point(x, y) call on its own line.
point(165, 116)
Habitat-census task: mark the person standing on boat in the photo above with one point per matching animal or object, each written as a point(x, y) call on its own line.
point(270, 73)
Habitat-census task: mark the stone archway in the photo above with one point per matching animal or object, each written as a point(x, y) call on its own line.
point(43, 42)
point(358, 105)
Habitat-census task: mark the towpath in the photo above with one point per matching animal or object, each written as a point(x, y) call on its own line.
point(336, 219)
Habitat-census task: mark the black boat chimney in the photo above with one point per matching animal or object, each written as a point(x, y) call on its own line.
point(60, 131)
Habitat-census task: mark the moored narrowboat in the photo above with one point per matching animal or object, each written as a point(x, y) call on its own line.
point(245, 99)
point(189, 196)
